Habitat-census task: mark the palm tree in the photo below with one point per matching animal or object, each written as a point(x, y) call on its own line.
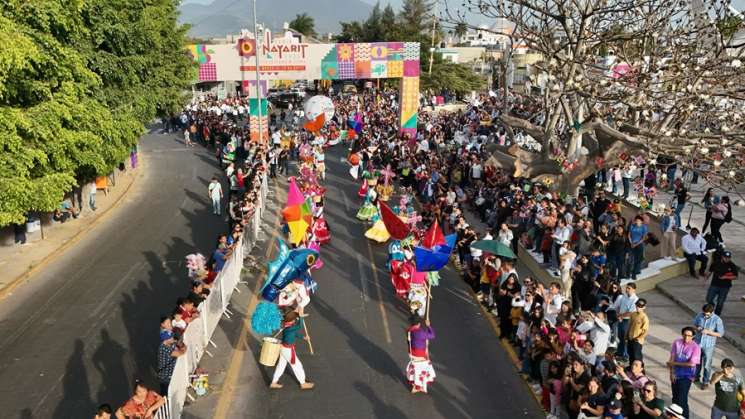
point(304, 24)
point(460, 30)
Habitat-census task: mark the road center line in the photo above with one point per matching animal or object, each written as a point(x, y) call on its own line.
point(363, 280)
point(383, 313)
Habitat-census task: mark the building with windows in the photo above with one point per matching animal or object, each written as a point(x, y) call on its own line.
point(494, 36)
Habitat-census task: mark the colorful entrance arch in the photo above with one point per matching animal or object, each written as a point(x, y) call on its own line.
point(286, 58)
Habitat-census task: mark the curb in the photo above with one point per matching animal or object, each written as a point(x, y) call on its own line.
point(489, 317)
point(738, 345)
point(21, 279)
point(506, 346)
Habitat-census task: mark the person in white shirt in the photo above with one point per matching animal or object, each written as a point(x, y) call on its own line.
point(562, 233)
point(625, 305)
point(423, 145)
point(587, 353)
point(507, 269)
point(694, 248)
point(553, 300)
point(476, 171)
point(215, 193)
point(451, 196)
point(476, 253)
point(567, 259)
point(598, 331)
point(505, 235)
point(626, 175)
point(187, 137)
point(92, 195)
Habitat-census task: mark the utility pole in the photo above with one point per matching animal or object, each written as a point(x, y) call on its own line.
point(432, 47)
point(258, 74)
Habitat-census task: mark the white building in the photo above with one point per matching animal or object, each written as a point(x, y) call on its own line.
point(494, 36)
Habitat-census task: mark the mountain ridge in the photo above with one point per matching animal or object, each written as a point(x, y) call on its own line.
point(223, 17)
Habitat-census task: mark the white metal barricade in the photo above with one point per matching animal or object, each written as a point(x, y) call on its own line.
point(164, 412)
point(198, 334)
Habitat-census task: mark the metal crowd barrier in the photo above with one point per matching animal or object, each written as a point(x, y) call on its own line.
point(198, 334)
point(164, 412)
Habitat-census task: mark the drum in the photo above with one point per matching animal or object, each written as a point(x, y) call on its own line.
point(270, 348)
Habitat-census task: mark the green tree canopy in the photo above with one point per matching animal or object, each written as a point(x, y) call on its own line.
point(455, 77)
point(304, 24)
point(373, 26)
point(388, 23)
point(78, 81)
point(461, 29)
point(415, 17)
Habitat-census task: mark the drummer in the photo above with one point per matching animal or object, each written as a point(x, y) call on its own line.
point(291, 328)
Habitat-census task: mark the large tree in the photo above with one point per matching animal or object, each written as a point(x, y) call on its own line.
point(304, 24)
point(373, 26)
point(388, 22)
point(78, 81)
point(671, 89)
point(415, 17)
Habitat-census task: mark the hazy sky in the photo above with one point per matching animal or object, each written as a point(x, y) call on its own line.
point(739, 5)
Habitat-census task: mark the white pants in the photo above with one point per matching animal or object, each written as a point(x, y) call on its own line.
point(566, 283)
point(285, 356)
point(555, 401)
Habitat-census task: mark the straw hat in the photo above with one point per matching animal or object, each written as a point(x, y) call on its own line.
point(674, 411)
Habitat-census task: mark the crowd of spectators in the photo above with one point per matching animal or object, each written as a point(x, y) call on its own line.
point(581, 338)
point(213, 124)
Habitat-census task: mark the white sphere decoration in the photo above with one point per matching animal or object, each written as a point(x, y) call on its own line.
point(318, 105)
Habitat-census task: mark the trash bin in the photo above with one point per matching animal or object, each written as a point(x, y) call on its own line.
point(33, 229)
point(33, 225)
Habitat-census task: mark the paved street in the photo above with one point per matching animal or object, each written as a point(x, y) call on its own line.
point(87, 324)
point(357, 329)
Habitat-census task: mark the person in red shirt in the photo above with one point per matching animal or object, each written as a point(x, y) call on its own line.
point(143, 404)
point(187, 309)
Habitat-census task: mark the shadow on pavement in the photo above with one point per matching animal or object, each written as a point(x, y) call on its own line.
point(109, 361)
point(375, 357)
point(381, 409)
point(75, 387)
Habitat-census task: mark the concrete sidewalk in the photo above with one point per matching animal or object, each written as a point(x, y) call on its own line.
point(690, 295)
point(666, 319)
point(18, 262)
point(671, 307)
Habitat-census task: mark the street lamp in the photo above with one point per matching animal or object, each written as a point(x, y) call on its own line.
point(432, 47)
point(258, 74)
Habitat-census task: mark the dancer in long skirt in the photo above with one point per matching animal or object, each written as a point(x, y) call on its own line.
point(419, 370)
